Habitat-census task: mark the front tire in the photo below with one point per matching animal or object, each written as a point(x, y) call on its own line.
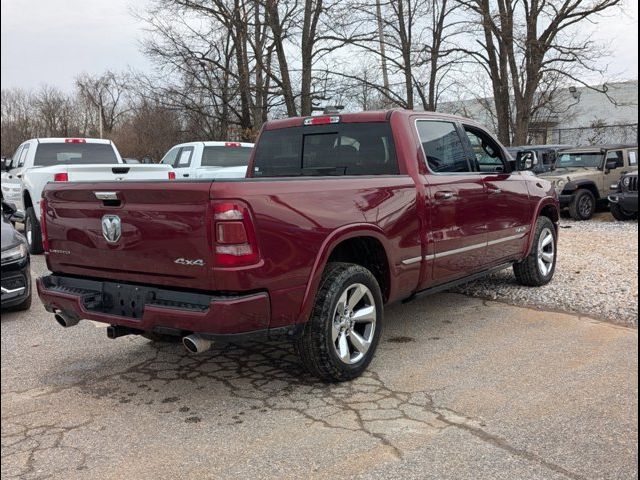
point(32, 232)
point(583, 205)
point(538, 268)
point(342, 334)
point(621, 214)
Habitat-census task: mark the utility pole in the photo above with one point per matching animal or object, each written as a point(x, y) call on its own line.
point(100, 119)
point(385, 75)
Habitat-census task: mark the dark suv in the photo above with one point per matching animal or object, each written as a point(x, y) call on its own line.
point(624, 201)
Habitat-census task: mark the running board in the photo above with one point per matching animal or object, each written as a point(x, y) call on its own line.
point(456, 283)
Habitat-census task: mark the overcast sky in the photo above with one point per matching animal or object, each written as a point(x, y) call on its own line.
point(52, 41)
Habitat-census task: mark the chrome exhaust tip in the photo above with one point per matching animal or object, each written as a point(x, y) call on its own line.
point(64, 320)
point(196, 344)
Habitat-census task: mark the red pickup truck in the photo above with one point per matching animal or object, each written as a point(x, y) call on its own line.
point(339, 215)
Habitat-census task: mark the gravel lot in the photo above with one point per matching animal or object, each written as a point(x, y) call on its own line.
point(596, 276)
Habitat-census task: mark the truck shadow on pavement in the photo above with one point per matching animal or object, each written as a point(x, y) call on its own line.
point(266, 377)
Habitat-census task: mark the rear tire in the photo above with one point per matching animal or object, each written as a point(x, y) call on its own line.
point(621, 214)
point(342, 334)
point(583, 205)
point(538, 268)
point(32, 232)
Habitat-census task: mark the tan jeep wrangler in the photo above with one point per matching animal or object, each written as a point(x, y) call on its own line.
point(583, 176)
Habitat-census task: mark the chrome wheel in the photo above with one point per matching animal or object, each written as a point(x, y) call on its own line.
point(546, 252)
point(354, 323)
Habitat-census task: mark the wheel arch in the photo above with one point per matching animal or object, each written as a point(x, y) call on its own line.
point(547, 207)
point(585, 185)
point(362, 244)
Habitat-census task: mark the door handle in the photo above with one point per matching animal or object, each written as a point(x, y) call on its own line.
point(494, 190)
point(185, 174)
point(445, 195)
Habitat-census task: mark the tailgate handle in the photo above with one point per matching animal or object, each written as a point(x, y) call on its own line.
point(109, 199)
point(120, 170)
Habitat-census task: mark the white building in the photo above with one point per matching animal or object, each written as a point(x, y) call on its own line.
point(580, 116)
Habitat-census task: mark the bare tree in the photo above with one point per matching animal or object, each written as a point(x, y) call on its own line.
point(107, 94)
point(523, 42)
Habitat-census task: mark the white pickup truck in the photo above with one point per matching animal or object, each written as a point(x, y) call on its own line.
point(41, 160)
point(209, 159)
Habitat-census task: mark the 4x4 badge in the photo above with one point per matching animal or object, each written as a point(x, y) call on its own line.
point(189, 263)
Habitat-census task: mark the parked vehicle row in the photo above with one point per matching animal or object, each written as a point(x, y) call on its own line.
point(339, 216)
point(209, 159)
point(41, 160)
point(583, 176)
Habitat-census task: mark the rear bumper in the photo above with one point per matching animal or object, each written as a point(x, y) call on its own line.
point(151, 309)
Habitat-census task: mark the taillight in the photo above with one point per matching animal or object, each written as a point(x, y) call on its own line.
point(232, 144)
point(43, 225)
point(61, 177)
point(75, 140)
point(235, 242)
point(172, 175)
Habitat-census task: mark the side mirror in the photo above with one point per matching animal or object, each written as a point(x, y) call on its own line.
point(17, 217)
point(4, 166)
point(11, 213)
point(611, 165)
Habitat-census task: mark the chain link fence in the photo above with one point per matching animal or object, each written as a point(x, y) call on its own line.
point(597, 135)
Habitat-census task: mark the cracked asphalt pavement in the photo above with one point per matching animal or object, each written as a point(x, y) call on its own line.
point(460, 388)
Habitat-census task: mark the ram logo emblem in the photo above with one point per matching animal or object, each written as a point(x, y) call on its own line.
point(111, 228)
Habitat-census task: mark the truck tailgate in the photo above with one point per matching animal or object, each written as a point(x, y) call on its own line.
point(165, 233)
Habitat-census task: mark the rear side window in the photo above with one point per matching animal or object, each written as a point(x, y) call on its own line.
point(442, 146)
point(226, 156)
point(48, 154)
point(333, 149)
point(184, 159)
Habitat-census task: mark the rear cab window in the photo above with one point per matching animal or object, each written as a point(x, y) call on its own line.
point(226, 156)
point(327, 150)
point(48, 154)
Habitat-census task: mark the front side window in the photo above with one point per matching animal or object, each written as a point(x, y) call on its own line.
point(442, 146)
point(16, 158)
point(486, 151)
point(633, 158)
point(170, 157)
point(617, 156)
point(23, 155)
point(329, 149)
